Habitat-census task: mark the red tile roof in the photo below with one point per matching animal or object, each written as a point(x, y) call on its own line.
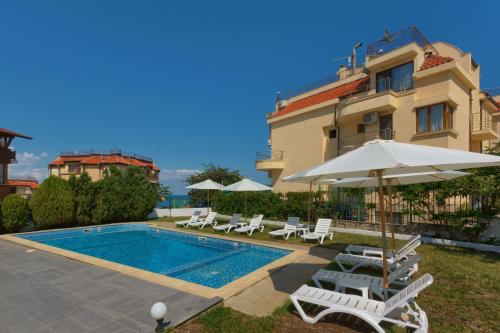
point(33, 184)
point(103, 159)
point(434, 60)
point(321, 97)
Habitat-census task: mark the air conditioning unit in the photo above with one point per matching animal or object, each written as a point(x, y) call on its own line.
point(370, 118)
point(281, 104)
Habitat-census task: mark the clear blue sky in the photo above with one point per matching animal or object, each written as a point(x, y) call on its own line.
point(190, 82)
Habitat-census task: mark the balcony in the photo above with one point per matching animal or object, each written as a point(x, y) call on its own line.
point(270, 160)
point(381, 95)
point(7, 156)
point(483, 127)
point(352, 142)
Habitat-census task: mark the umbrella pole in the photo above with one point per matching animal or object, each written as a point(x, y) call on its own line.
point(208, 199)
point(309, 204)
point(246, 205)
point(382, 226)
point(391, 217)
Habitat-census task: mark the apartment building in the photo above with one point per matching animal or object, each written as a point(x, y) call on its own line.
point(94, 162)
point(408, 90)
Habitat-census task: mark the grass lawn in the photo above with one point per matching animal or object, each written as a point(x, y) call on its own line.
point(465, 295)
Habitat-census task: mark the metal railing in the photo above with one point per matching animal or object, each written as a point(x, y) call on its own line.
point(378, 87)
point(269, 155)
point(86, 152)
point(354, 141)
point(396, 40)
point(320, 83)
point(26, 178)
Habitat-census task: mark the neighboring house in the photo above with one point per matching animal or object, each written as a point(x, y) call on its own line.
point(23, 187)
point(408, 90)
point(95, 162)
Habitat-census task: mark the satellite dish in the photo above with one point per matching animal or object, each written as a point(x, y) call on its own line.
point(387, 36)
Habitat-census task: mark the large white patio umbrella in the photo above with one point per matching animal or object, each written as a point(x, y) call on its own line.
point(404, 179)
point(246, 185)
point(387, 157)
point(206, 185)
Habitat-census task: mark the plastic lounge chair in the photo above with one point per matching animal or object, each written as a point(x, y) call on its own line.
point(290, 228)
point(209, 220)
point(255, 224)
point(399, 276)
point(233, 223)
point(194, 218)
point(377, 251)
point(321, 230)
point(399, 309)
point(357, 261)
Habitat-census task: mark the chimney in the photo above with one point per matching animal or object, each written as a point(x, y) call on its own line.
point(343, 72)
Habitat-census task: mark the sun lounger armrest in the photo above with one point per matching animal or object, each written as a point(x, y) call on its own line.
point(373, 253)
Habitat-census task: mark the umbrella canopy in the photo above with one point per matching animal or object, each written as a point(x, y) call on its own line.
point(403, 179)
point(206, 185)
point(247, 185)
point(395, 158)
point(383, 157)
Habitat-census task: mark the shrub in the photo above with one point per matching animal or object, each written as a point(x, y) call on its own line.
point(15, 213)
point(84, 196)
point(110, 203)
point(52, 204)
point(141, 197)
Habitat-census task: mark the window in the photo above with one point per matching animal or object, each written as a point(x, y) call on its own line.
point(398, 78)
point(434, 118)
point(361, 128)
point(74, 168)
point(332, 134)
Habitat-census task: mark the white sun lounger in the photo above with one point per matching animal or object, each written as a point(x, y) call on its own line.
point(209, 220)
point(371, 311)
point(255, 224)
point(321, 230)
point(399, 276)
point(194, 218)
point(290, 228)
point(377, 251)
point(233, 223)
point(357, 261)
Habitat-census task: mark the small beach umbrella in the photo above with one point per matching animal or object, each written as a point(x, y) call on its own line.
point(404, 179)
point(206, 185)
point(386, 157)
point(246, 185)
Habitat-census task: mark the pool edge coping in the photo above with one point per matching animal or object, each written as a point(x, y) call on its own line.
point(228, 290)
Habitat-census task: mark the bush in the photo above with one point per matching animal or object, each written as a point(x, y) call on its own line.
point(84, 197)
point(15, 213)
point(52, 204)
point(141, 197)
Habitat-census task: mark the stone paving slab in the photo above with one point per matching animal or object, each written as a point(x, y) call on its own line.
point(42, 292)
point(271, 292)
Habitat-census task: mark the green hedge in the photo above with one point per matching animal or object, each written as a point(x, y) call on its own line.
point(119, 196)
point(15, 213)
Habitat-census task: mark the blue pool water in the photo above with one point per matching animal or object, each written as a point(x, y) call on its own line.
point(207, 261)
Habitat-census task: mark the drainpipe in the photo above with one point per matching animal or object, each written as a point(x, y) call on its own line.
point(337, 129)
point(470, 119)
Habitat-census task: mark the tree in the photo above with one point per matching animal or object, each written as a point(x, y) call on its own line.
point(110, 201)
point(52, 204)
point(218, 174)
point(15, 213)
point(140, 196)
point(84, 196)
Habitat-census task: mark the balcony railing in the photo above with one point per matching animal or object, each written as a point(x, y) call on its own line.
point(320, 83)
point(354, 141)
point(482, 121)
point(396, 40)
point(105, 152)
point(276, 155)
point(378, 87)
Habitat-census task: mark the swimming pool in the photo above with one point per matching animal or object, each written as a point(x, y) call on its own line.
point(207, 261)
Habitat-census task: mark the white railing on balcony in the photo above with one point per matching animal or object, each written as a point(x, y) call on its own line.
point(482, 121)
point(275, 155)
point(351, 142)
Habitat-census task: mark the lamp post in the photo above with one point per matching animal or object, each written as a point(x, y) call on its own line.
point(158, 311)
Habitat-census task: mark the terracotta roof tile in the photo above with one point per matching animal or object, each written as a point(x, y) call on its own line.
point(434, 60)
point(103, 159)
point(33, 184)
point(323, 96)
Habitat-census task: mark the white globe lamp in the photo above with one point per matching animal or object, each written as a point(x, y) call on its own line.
point(158, 311)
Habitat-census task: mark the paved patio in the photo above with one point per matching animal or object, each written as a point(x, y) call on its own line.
point(271, 292)
point(43, 292)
